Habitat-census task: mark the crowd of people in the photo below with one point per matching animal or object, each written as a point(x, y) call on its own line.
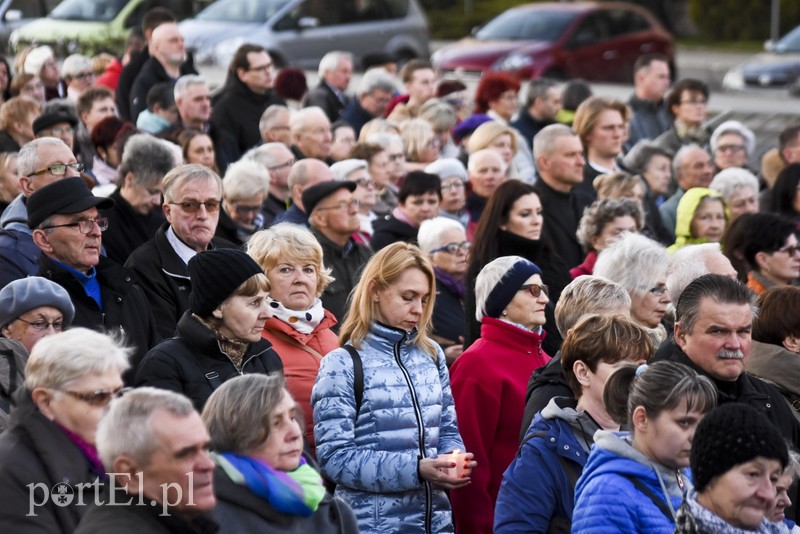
point(394, 307)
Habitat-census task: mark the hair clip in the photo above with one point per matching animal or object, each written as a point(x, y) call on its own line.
point(641, 369)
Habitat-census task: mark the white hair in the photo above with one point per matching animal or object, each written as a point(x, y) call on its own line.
point(74, 64)
point(266, 154)
point(127, 428)
point(28, 158)
point(431, 231)
point(687, 264)
point(488, 278)
point(244, 180)
point(301, 118)
point(59, 360)
point(475, 156)
point(341, 170)
point(377, 79)
point(331, 60)
point(729, 181)
point(186, 81)
point(680, 154)
point(269, 116)
point(736, 127)
point(633, 261)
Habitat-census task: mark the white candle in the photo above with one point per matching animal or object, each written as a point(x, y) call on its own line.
point(460, 459)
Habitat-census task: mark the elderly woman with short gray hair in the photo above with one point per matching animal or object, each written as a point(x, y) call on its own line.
point(263, 481)
point(445, 242)
point(739, 189)
point(732, 143)
point(489, 380)
point(357, 170)
point(601, 224)
point(244, 190)
point(453, 175)
point(639, 265)
point(69, 380)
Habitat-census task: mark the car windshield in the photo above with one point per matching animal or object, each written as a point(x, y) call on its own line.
point(528, 25)
point(94, 10)
point(790, 42)
point(242, 10)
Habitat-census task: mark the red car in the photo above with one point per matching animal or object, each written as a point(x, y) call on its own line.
point(597, 42)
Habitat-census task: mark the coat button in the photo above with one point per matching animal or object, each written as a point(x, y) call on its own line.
point(769, 405)
point(119, 299)
point(566, 447)
point(577, 453)
point(552, 440)
point(127, 278)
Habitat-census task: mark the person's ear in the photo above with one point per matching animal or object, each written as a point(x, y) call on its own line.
point(680, 335)
point(791, 343)
point(127, 472)
point(43, 399)
point(25, 185)
point(582, 372)
point(40, 240)
point(218, 312)
point(639, 419)
point(761, 260)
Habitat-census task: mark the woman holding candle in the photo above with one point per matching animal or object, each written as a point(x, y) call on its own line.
point(635, 481)
point(489, 380)
point(383, 413)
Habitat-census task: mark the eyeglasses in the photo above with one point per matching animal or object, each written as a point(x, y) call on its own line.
point(59, 169)
point(354, 203)
point(101, 397)
point(41, 325)
point(454, 248)
point(261, 68)
point(453, 185)
point(697, 102)
point(67, 130)
point(282, 165)
point(731, 148)
point(84, 75)
point(536, 289)
point(84, 226)
point(193, 206)
point(791, 250)
point(241, 209)
point(659, 290)
point(365, 182)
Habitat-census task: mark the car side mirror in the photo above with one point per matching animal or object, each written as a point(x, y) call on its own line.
point(306, 23)
point(13, 15)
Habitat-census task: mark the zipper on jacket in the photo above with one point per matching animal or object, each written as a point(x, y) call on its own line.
point(421, 430)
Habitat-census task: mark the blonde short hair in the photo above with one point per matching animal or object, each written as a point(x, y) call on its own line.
point(487, 132)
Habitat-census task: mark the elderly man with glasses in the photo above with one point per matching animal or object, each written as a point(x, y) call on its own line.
point(40, 162)
point(192, 199)
point(67, 228)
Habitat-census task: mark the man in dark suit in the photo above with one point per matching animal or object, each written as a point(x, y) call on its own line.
point(335, 71)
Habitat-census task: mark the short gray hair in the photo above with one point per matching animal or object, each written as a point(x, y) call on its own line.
point(127, 426)
point(544, 142)
point(269, 116)
point(439, 114)
point(186, 81)
point(341, 170)
point(300, 118)
point(266, 154)
point(180, 175)
point(385, 140)
point(475, 156)
point(633, 261)
point(59, 360)
point(538, 89)
point(488, 278)
point(430, 232)
point(238, 415)
point(729, 181)
point(638, 158)
point(602, 212)
point(331, 60)
point(677, 159)
point(299, 173)
point(686, 264)
point(589, 294)
point(245, 179)
point(146, 158)
point(736, 127)
point(28, 158)
point(376, 80)
point(74, 64)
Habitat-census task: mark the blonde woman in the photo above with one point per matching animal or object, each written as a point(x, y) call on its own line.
point(506, 141)
point(381, 450)
point(421, 145)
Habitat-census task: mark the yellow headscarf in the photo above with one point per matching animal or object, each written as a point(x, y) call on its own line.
point(687, 207)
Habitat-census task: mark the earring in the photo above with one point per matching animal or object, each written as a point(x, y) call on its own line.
point(505, 313)
point(218, 315)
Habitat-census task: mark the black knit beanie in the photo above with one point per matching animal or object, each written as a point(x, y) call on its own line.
point(730, 435)
point(215, 275)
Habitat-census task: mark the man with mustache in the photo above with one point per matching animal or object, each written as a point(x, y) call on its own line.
point(713, 337)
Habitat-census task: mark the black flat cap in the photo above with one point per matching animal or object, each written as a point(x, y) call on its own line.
point(48, 120)
point(63, 197)
point(316, 193)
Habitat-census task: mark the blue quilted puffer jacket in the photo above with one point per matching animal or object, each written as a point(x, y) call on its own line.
point(606, 501)
point(407, 413)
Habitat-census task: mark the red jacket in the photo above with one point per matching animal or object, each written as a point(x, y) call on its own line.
point(587, 267)
point(488, 383)
point(300, 367)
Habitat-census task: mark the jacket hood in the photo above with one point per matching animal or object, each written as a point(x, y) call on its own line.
point(15, 216)
point(775, 364)
point(687, 207)
point(561, 408)
point(613, 453)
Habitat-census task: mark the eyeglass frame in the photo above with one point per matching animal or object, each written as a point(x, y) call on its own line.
point(352, 203)
point(77, 167)
point(282, 165)
point(101, 222)
point(40, 325)
point(91, 398)
point(193, 206)
point(459, 247)
point(790, 250)
point(535, 290)
point(658, 290)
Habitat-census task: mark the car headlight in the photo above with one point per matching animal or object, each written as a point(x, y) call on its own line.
point(513, 62)
point(733, 80)
point(224, 50)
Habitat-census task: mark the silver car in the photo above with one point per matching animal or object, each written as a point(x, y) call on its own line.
point(300, 32)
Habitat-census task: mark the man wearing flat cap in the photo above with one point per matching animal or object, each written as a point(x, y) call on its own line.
point(333, 217)
point(68, 229)
point(40, 162)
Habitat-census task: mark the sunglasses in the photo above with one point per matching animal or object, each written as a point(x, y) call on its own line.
point(101, 397)
point(193, 206)
point(536, 289)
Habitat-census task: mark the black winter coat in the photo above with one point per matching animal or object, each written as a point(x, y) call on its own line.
point(324, 97)
point(238, 110)
point(546, 383)
point(127, 228)
point(125, 307)
point(165, 279)
point(391, 230)
point(448, 315)
point(239, 510)
point(193, 364)
point(36, 451)
point(152, 73)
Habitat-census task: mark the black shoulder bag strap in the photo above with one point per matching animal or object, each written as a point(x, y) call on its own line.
point(661, 505)
point(214, 379)
point(358, 376)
